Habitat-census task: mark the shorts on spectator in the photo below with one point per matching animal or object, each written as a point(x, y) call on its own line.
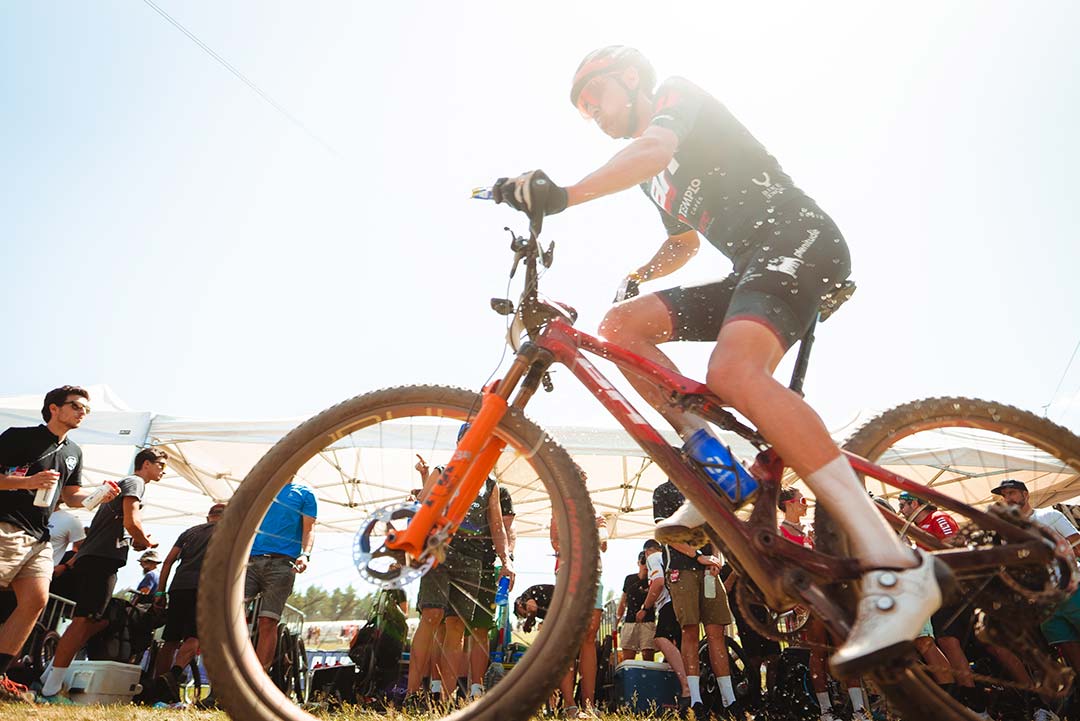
point(927, 629)
point(691, 606)
point(599, 605)
point(180, 616)
point(22, 555)
point(92, 584)
point(1063, 626)
point(273, 577)
point(638, 636)
point(464, 588)
point(954, 621)
point(667, 626)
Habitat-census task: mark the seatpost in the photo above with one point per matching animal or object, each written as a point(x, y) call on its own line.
point(803, 359)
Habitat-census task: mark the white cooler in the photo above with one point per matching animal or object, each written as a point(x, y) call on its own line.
point(101, 682)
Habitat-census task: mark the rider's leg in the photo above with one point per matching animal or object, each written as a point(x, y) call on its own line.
point(740, 372)
point(639, 325)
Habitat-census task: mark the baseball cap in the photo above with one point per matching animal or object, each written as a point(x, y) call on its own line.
point(216, 508)
point(1009, 483)
point(150, 556)
point(905, 496)
point(651, 543)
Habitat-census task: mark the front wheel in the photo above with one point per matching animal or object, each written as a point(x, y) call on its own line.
point(359, 456)
point(964, 448)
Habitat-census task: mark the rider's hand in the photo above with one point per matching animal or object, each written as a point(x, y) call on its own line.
point(640, 615)
point(522, 192)
point(627, 289)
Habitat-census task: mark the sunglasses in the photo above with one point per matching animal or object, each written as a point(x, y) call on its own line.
point(590, 97)
point(78, 406)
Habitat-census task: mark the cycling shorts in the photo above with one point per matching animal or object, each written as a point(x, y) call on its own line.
point(799, 257)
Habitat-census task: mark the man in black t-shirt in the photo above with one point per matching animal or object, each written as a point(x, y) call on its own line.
point(181, 637)
point(708, 176)
point(691, 572)
point(104, 551)
point(34, 459)
point(635, 636)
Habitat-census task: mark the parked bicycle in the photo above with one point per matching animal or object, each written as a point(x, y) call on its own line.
point(1011, 571)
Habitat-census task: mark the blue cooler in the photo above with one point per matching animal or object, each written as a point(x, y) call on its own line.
point(646, 686)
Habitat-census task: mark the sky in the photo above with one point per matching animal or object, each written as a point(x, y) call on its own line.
point(168, 231)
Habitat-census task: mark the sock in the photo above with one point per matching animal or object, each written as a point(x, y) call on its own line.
point(54, 681)
point(856, 698)
point(875, 541)
point(694, 682)
point(823, 701)
point(5, 661)
point(727, 693)
point(177, 672)
point(476, 690)
point(436, 686)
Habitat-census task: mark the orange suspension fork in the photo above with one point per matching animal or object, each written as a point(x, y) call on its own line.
point(449, 499)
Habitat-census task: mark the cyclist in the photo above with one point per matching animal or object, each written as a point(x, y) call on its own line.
point(707, 175)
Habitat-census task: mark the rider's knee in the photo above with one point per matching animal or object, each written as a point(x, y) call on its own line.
point(629, 322)
point(732, 378)
point(432, 616)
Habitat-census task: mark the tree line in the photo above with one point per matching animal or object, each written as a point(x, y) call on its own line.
point(339, 604)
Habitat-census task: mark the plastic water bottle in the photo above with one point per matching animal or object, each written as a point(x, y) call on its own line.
point(482, 194)
point(502, 593)
point(721, 466)
point(710, 585)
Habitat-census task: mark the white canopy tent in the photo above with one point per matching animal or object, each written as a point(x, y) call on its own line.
point(209, 458)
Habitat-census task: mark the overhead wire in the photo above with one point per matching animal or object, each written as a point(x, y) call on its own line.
point(244, 79)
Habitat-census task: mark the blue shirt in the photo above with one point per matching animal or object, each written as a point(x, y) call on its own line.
point(151, 580)
point(283, 526)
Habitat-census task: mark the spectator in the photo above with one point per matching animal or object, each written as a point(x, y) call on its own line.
point(282, 549)
point(668, 632)
point(636, 637)
point(33, 459)
point(758, 651)
point(698, 597)
point(793, 505)
point(587, 654)
point(460, 592)
point(1062, 629)
point(149, 584)
point(533, 604)
point(181, 635)
point(103, 553)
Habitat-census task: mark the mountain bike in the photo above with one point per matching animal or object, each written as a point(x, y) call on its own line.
point(362, 450)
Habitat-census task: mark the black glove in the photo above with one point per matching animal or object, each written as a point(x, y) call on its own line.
point(529, 192)
point(627, 289)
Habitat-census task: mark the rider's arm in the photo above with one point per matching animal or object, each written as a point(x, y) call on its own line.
point(672, 255)
point(634, 164)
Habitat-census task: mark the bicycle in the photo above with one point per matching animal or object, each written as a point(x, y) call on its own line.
point(1006, 565)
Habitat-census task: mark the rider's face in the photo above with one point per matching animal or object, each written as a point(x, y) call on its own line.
point(607, 101)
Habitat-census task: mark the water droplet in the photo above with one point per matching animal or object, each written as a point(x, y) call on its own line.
point(766, 248)
point(740, 202)
point(772, 220)
point(729, 244)
point(838, 285)
point(824, 280)
point(776, 309)
point(769, 210)
point(836, 240)
point(794, 291)
point(836, 261)
point(776, 232)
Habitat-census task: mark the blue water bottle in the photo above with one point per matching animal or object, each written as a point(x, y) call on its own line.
point(722, 467)
point(502, 593)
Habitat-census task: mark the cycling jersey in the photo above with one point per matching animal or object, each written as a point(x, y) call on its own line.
point(939, 524)
point(721, 181)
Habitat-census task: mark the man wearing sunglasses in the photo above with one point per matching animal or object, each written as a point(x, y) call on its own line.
point(33, 459)
point(708, 176)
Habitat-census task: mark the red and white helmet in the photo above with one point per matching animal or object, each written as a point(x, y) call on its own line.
point(608, 60)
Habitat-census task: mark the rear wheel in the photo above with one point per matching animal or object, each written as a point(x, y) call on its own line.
point(359, 456)
point(964, 448)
